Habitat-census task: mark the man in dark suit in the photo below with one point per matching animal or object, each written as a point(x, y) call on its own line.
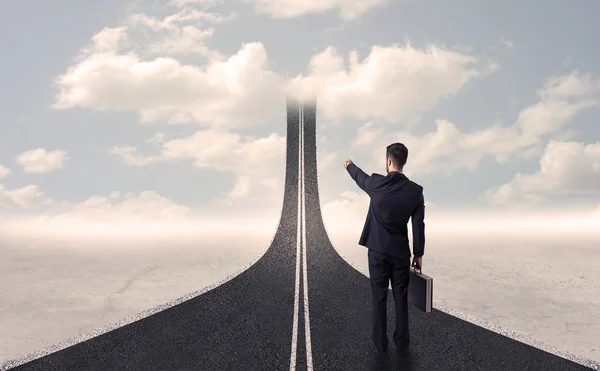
point(394, 199)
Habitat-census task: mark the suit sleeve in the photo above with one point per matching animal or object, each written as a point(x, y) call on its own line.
point(360, 177)
point(418, 227)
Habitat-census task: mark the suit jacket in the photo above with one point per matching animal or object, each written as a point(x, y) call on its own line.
point(394, 199)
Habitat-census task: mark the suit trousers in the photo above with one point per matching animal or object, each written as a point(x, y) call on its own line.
point(384, 268)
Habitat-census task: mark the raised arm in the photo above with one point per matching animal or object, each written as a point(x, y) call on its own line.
point(360, 177)
point(418, 228)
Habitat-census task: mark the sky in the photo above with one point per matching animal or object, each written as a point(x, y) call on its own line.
point(120, 113)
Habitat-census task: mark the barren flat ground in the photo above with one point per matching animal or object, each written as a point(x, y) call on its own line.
point(547, 289)
point(55, 290)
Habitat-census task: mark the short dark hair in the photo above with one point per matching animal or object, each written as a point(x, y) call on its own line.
point(398, 153)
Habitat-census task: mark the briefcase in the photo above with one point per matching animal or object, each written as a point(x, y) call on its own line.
point(420, 290)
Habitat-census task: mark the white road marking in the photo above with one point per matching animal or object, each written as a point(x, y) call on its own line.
point(301, 252)
point(298, 247)
point(309, 363)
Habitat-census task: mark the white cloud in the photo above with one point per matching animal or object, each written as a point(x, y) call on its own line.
point(185, 40)
point(41, 161)
point(4, 171)
point(326, 159)
point(182, 3)
point(445, 150)
point(131, 157)
point(367, 135)
point(174, 21)
point(173, 35)
point(157, 138)
point(258, 163)
point(394, 83)
point(146, 214)
point(560, 99)
point(24, 197)
point(508, 43)
point(448, 150)
point(226, 92)
point(108, 40)
point(354, 204)
point(346, 213)
point(348, 9)
point(566, 168)
point(196, 12)
point(571, 86)
point(148, 205)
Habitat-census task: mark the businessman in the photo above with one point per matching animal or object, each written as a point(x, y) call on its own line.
point(394, 199)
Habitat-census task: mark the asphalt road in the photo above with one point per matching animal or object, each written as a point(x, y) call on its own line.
point(261, 320)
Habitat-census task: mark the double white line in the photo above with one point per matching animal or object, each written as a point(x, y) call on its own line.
point(301, 251)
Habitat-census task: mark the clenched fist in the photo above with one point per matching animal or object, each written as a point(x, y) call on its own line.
point(347, 162)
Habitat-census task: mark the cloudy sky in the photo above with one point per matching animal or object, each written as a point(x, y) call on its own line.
point(174, 110)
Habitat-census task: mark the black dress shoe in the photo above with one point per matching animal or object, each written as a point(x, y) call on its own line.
point(381, 359)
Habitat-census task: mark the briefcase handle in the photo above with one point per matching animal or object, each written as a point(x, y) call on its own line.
point(415, 266)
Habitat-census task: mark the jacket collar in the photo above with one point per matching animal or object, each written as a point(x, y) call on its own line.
point(395, 174)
